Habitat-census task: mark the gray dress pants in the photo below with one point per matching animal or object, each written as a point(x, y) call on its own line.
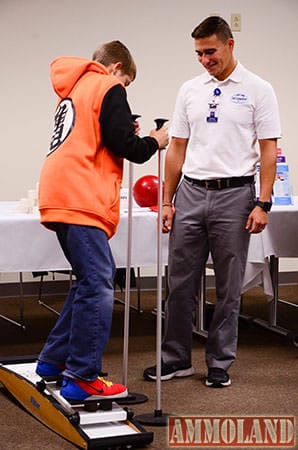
point(206, 221)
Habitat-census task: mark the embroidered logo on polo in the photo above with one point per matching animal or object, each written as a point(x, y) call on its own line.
point(64, 123)
point(239, 98)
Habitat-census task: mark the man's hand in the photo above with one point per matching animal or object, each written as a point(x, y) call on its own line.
point(257, 220)
point(168, 212)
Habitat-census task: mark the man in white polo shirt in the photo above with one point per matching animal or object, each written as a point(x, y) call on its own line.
point(225, 121)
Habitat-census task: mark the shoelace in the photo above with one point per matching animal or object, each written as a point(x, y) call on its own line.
point(106, 382)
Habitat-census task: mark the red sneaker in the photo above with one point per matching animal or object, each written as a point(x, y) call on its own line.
point(97, 389)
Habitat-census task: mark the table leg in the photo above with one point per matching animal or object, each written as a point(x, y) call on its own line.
point(271, 323)
point(21, 307)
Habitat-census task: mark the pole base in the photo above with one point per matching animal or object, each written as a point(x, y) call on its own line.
point(132, 399)
point(157, 418)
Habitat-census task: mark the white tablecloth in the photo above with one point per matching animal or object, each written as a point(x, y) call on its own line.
point(279, 239)
point(26, 246)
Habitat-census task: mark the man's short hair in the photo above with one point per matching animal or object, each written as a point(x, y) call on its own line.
point(213, 25)
point(115, 51)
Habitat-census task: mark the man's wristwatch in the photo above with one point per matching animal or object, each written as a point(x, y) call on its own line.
point(266, 206)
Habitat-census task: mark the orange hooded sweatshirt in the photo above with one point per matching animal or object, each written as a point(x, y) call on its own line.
point(80, 179)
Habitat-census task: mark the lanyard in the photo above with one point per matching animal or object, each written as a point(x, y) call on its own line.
point(213, 107)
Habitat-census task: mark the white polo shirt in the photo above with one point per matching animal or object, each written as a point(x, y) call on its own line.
point(226, 146)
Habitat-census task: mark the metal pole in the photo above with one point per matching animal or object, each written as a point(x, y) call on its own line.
point(158, 417)
point(159, 285)
point(132, 398)
point(127, 276)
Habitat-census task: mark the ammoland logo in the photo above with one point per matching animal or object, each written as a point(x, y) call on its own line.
point(241, 431)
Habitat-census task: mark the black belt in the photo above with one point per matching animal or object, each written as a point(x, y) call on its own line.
point(221, 183)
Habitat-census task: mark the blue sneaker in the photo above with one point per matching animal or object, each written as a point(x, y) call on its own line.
point(78, 390)
point(48, 370)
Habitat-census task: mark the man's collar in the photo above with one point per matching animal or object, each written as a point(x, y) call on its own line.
point(234, 76)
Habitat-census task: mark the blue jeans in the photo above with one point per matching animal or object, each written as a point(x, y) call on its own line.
point(80, 335)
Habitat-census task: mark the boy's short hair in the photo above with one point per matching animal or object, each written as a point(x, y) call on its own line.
point(115, 51)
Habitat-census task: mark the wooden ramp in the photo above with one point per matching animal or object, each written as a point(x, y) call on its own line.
point(94, 425)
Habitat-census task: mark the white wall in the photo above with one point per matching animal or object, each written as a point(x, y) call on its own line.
point(33, 32)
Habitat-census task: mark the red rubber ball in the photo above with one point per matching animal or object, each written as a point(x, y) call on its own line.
point(145, 191)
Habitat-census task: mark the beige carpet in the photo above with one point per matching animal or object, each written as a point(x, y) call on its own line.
point(264, 376)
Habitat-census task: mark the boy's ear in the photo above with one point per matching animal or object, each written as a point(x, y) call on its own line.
point(114, 67)
point(118, 65)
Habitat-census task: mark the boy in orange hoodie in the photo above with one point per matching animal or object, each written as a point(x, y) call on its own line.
point(79, 198)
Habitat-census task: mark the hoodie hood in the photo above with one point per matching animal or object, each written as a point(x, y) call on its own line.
point(66, 71)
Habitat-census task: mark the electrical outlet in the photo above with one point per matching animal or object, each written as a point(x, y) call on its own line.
point(236, 22)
